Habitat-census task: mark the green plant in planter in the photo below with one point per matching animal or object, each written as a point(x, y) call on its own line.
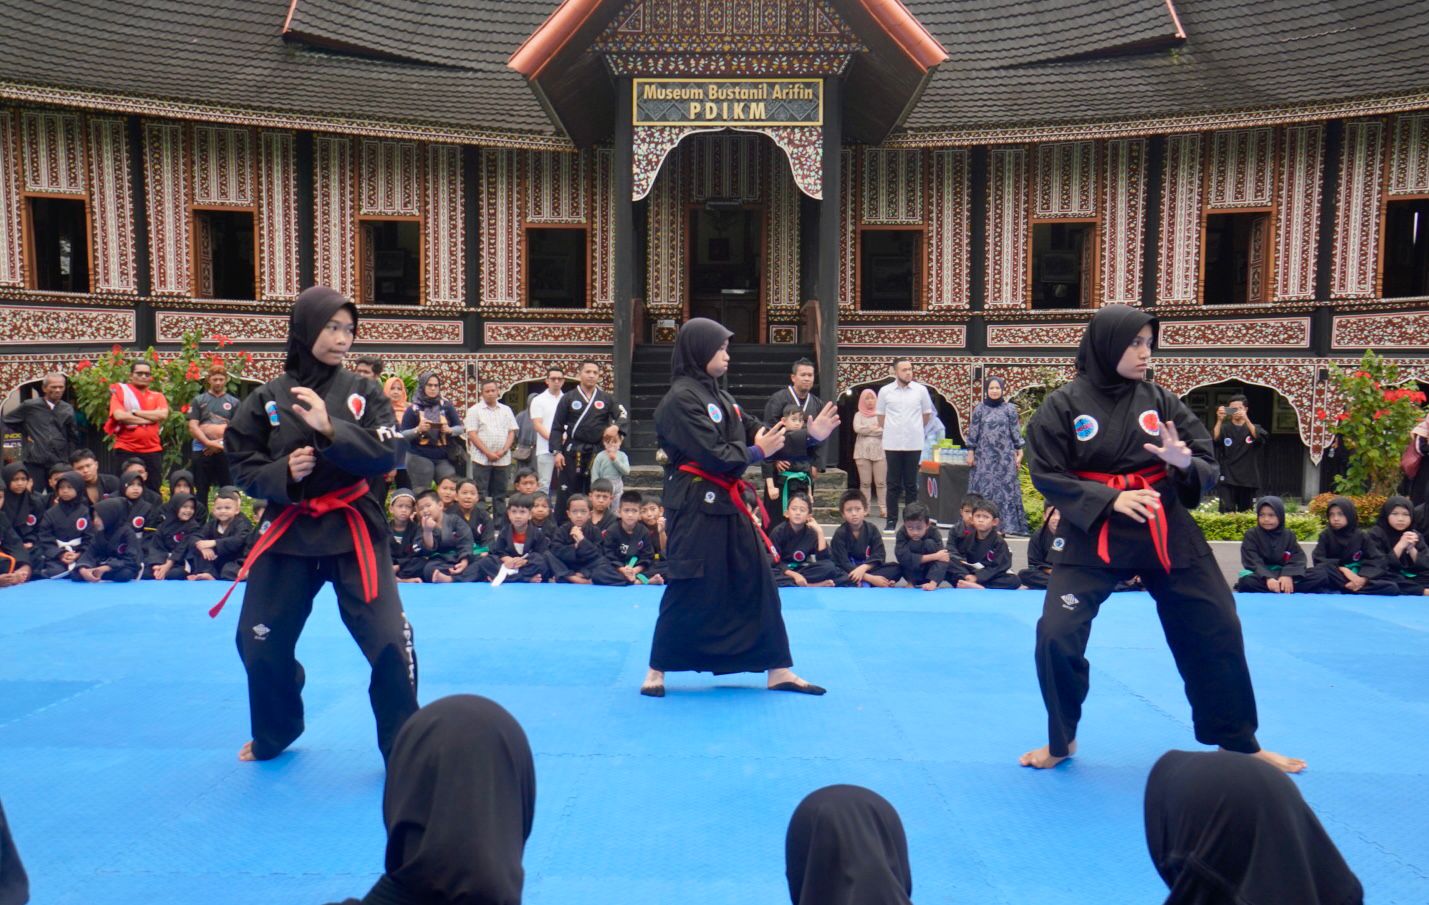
point(1374, 425)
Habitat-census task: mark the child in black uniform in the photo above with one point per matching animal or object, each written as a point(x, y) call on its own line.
point(918, 546)
point(1039, 551)
point(1395, 550)
point(15, 568)
point(1125, 511)
point(788, 471)
point(601, 496)
point(306, 442)
point(441, 542)
point(63, 535)
point(541, 513)
point(984, 553)
point(627, 545)
point(143, 515)
point(217, 548)
point(579, 547)
point(803, 552)
point(1340, 554)
point(520, 548)
point(652, 516)
point(113, 550)
point(957, 533)
point(166, 553)
point(857, 549)
point(402, 526)
point(23, 507)
point(181, 480)
point(469, 510)
point(1271, 558)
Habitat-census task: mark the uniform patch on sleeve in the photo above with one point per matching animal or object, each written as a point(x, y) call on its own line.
point(357, 404)
point(1085, 427)
point(715, 414)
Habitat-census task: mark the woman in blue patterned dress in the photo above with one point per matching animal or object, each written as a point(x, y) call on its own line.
point(995, 452)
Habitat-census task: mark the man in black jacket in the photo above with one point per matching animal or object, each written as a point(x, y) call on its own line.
point(47, 425)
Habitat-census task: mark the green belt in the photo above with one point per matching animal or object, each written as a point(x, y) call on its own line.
point(789, 477)
point(477, 549)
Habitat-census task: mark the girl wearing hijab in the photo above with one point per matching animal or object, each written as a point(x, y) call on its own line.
point(1107, 451)
point(720, 611)
point(24, 508)
point(113, 550)
point(995, 443)
point(458, 805)
point(1039, 551)
point(428, 425)
point(1227, 830)
point(181, 480)
point(306, 442)
point(1340, 554)
point(1396, 552)
point(1272, 560)
point(168, 547)
point(64, 526)
point(868, 450)
point(846, 846)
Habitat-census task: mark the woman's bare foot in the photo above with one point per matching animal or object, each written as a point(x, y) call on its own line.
point(786, 680)
point(654, 684)
point(1280, 761)
point(1043, 758)
point(246, 752)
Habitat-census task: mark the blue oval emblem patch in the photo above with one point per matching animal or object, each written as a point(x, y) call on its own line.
point(1086, 427)
point(1059, 543)
point(716, 415)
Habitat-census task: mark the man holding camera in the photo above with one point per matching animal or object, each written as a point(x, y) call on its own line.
point(1238, 441)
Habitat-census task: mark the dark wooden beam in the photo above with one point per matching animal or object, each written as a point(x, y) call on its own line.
point(307, 249)
point(625, 257)
point(830, 215)
point(1150, 248)
point(1322, 322)
point(144, 319)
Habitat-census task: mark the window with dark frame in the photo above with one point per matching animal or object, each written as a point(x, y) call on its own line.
point(392, 262)
point(890, 269)
point(1237, 261)
point(59, 229)
point(555, 268)
point(1406, 248)
point(225, 262)
point(1063, 264)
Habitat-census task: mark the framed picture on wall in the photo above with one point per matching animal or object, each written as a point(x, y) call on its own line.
point(1284, 420)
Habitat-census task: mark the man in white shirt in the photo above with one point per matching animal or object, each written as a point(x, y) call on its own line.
point(543, 408)
point(904, 409)
point(490, 434)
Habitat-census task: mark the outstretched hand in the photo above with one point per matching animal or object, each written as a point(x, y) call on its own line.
point(825, 422)
point(313, 411)
point(1173, 450)
point(770, 439)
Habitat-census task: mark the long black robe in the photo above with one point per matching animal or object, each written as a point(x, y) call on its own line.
point(1039, 554)
point(14, 884)
point(1225, 828)
point(24, 509)
point(64, 527)
point(720, 611)
point(1410, 570)
point(845, 846)
point(12, 546)
point(987, 560)
point(115, 545)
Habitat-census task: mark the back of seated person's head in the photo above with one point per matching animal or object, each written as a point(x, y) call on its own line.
point(846, 846)
point(1227, 827)
point(458, 804)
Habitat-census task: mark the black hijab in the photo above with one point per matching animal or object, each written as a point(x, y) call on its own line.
point(1228, 829)
point(1382, 526)
point(171, 521)
point(75, 480)
point(1271, 545)
point(1106, 339)
point(181, 474)
point(114, 513)
point(16, 505)
point(311, 312)
point(845, 846)
point(698, 341)
point(1342, 544)
point(1002, 397)
point(459, 801)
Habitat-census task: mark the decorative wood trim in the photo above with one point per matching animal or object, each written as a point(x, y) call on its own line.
point(1359, 211)
point(168, 186)
point(1123, 229)
point(334, 206)
point(1007, 233)
point(444, 219)
point(1302, 167)
point(277, 216)
point(1287, 333)
point(1179, 259)
point(949, 230)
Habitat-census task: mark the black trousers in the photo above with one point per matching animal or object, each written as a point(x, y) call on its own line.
point(1197, 614)
point(1336, 583)
point(1034, 578)
point(153, 465)
point(573, 478)
point(902, 479)
point(209, 471)
point(1312, 582)
point(276, 604)
point(491, 484)
point(1236, 497)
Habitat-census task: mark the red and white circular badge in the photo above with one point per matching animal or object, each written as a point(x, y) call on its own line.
point(1150, 422)
point(357, 404)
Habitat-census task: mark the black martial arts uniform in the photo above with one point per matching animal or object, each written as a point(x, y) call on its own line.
point(170, 541)
point(458, 805)
point(629, 548)
point(585, 557)
point(845, 846)
point(910, 553)
point(1228, 829)
point(13, 552)
point(64, 528)
point(986, 560)
point(536, 548)
point(14, 884)
point(480, 522)
point(1097, 425)
point(115, 545)
point(1274, 554)
point(1345, 549)
point(232, 541)
point(1040, 548)
point(285, 571)
point(657, 551)
point(200, 505)
point(720, 611)
point(1238, 452)
point(848, 551)
point(401, 543)
point(799, 552)
point(798, 452)
point(576, 430)
point(1410, 570)
point(24, 509)
point(450, 547)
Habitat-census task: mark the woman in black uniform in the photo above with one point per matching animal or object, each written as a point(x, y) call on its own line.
point(307, 442)
point(1124, 501)
point(720, 612)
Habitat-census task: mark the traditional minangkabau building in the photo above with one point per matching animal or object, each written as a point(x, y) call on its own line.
point(504, 183)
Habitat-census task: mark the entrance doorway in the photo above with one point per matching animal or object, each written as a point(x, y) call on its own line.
point(726, 268)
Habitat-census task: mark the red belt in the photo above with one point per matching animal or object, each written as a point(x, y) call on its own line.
point(337, 500)
point(1142, 479)
point(736, 488)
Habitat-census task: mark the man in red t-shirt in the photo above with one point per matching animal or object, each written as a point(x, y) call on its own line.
point(135, 413)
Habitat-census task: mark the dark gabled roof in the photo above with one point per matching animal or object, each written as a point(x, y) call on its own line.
point(1236, 55)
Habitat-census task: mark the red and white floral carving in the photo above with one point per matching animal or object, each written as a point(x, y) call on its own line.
point(501, 233)
point(1066, 180)
point(11, 265)
point(556, 188)
point(391, 179)
point(1033, 335)
point(1280, 332)
point(1409, 172)
point(1007, 228)
point(1180, 251)
point(952, 337)
point(541, 334)
point(53, 152)
point(111, 206)
point(1298, 222)
point(1123, 221)
point(892, 185)
point(445, 223)
point(948, 230)
point(278, 215)
point(167, 183)
point(223, 166)
point(1355, 266)
point(1242, 168)
point(335, 210)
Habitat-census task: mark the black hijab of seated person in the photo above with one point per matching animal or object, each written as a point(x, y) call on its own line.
point(1389, 534)
point(1227, 829)
point(1271, 544)
point(171, 520)
point(698, 341)
point(459, 802)
point(846, 846)
point(113, 512)
point(1107, 337)
point(16, 505)
point(1343, 543)
point(76, 483)
point(311, 312)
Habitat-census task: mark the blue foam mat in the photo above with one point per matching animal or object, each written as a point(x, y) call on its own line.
point(121, 709)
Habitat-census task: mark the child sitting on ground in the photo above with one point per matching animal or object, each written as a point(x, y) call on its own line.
point(140, 513)
point(181, 480)
point(601, 517)
point(48, 495)
point(403, 530)
point(469, 509)
point(164, 557)
point(611, 463)
point(984, 553)
point(519, 550)
point(627, 544)
point(803, 551)
point(857, 548)
point(24, 507)
point(63, 529)
point(152, 497)
point(1340, 554)
point(790, 470)
point(957, 533)
point(1040, 549)
point(578, 547)
point(217, 548)
point(441, 545)
point(1271, 558)
point(1396, 551)
point(15, 567)
point(112, 553)
point(923, 561)
point(652, 516)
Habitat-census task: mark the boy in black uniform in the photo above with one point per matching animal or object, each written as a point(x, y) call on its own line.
point(602, 516)
point(578, 546)
point(305, 442)
point(520, 547)
point(1238, 441)
point(1039, 551)
point(406, 565)
point(441, 545)
point(984, 553)
point(1272, 560)
point(652, 516)
point(1124, 504)
point(217, 548)
point(918, 546)
point(803, 551)
point(63, 535)
point(15, 565)
point(627, 544)
point(1340, 554)
point(857, 549)
point(577, 427)
point(469, 509)
point(113, 550)
point(541, 513)
point(790, 470)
